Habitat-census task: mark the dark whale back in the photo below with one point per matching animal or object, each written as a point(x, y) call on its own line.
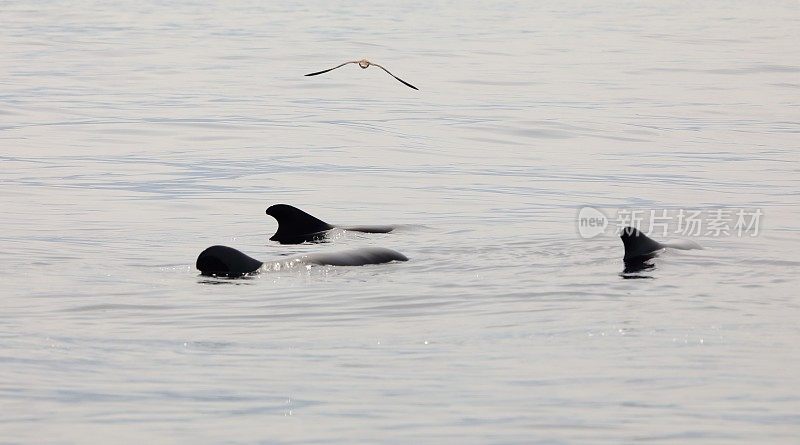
point(296, 226)
point(226, 261)
point(638, 245)
point(355, 257)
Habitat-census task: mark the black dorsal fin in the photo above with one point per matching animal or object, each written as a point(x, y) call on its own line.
point(226, 261)
point(637, 244)
point(296, 226)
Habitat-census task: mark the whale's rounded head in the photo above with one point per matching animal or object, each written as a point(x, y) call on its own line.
point(296, 226)
point(224, 261)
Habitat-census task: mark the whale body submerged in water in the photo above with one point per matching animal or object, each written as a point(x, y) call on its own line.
point(639, 248)
point(296, 226)
point(224, 261)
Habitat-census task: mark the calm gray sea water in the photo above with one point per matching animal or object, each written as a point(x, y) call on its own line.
point(135, 134)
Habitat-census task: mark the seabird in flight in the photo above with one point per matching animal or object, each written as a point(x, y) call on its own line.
point(364, 64)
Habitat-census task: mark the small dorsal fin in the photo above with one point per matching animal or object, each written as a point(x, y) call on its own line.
point(638, 244)
point(296, 226)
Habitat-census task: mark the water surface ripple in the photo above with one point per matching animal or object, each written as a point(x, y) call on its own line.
point(135, 134)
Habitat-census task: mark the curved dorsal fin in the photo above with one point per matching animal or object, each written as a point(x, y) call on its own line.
point(637, 244)
point(296, 226)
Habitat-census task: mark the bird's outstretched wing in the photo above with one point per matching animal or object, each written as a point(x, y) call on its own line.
point(331, 69)
point(401, 80)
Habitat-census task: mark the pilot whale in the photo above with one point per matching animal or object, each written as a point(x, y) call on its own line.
point(296, 226)
point(224, 261)
point(639, 248)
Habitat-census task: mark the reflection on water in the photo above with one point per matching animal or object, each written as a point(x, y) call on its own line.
point(634, 267)
point(134, 136)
